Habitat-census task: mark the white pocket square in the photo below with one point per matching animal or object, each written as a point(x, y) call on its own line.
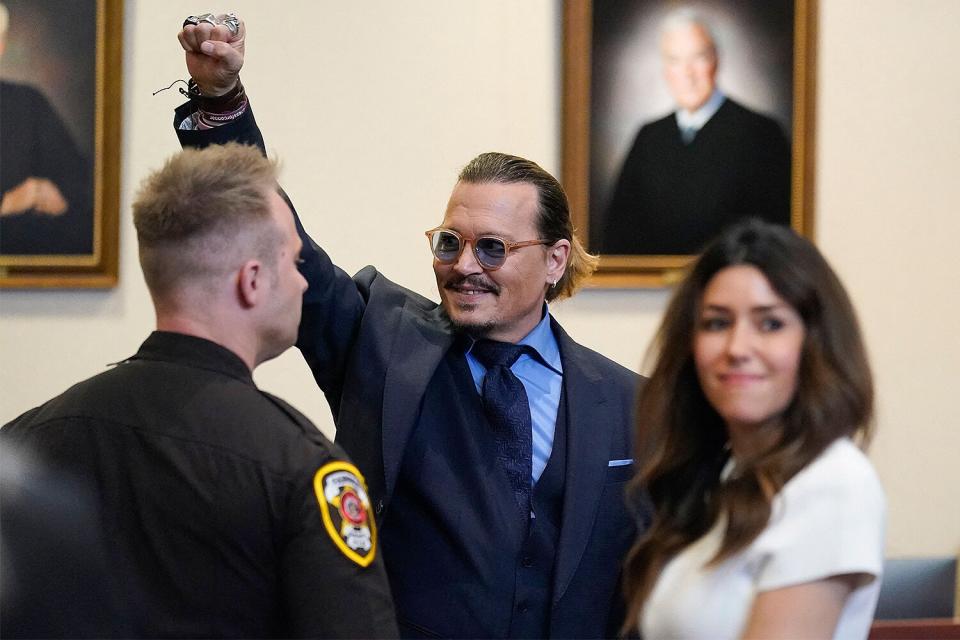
point(619, 463)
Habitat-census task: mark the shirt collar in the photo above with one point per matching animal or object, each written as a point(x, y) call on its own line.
point(541, 339)
point(168, 346)
point(696, 119)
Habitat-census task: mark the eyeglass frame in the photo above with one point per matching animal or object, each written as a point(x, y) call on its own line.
point(507, 246)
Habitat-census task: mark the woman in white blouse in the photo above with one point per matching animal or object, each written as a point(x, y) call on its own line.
point(770, 520)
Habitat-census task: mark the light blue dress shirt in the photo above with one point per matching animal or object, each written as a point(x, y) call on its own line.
point(542, 380)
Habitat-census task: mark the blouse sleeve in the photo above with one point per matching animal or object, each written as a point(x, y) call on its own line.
point(829, 520)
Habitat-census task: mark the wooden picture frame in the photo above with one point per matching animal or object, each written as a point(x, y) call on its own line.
point(590, 115)
point(62, 72)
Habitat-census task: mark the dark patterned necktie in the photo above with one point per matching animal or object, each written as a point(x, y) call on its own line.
point(508, 410)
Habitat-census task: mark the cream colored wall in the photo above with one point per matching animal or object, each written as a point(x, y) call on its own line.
point(888, 198)
point(374, 107)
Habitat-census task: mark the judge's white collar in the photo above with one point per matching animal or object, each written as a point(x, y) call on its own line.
point(696, 119)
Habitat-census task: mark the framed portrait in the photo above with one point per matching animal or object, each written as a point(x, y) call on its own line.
point(60, 105)
point(680, 118)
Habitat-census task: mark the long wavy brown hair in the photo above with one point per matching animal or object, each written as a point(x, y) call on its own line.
point(681, 441)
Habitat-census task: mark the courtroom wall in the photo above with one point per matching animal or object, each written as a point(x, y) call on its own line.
point(374, 107)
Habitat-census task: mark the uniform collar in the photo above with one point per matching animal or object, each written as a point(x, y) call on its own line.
point(167, 346)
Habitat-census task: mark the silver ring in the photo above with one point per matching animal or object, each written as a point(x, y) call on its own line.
point(191, 20)
point(230, 21)
point(209, 18)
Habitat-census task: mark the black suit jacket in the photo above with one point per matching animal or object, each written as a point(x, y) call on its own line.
point(373, 347)
point(672, 198)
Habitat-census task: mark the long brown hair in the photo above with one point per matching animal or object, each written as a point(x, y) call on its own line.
point(681, 441)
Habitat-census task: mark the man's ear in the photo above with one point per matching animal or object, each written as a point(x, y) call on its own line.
point(557, 256)
point(250, 283)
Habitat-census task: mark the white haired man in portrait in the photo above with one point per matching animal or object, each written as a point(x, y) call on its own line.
point(698, 169)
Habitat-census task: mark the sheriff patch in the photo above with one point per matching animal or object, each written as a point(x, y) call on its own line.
point(345, 508)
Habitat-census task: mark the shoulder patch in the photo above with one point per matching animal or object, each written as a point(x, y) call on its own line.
point(345, 509)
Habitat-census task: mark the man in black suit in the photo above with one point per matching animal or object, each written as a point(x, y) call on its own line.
point(695, 171)
point(498, 518)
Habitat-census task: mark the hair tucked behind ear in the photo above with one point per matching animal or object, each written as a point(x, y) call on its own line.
point(681, 441)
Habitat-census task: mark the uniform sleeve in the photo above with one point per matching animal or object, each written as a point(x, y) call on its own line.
point(828, 521)
point(333, 580)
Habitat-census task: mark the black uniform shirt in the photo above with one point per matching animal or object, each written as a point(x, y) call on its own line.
point(216, 509)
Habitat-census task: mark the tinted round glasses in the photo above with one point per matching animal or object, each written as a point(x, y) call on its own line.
point(491, 251)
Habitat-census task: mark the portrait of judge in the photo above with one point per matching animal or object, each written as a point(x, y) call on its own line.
point(708, 162)
point(46, 128)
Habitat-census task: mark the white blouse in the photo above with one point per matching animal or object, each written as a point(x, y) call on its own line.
point(827, 520)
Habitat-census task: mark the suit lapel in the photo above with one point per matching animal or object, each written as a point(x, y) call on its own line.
point(423, 337)
point(588, 442)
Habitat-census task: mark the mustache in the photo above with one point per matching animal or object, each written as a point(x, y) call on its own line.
point(473, 281)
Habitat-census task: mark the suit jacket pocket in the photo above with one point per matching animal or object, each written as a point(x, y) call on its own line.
point(619, 474)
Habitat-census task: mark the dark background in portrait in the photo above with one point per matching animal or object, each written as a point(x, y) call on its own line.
point(51, 46)
point(755, 53)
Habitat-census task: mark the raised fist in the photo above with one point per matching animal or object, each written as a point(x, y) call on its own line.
point(214, 51)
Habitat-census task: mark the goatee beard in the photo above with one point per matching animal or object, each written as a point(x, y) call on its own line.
point(476, 330)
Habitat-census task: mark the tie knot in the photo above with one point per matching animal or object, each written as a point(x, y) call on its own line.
point(497, 354)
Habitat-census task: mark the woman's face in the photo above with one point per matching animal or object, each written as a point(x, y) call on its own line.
point(746, 347)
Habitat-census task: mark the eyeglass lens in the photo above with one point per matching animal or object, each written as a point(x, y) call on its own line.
point(490, 252)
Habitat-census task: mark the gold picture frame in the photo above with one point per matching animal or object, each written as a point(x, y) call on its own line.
point(77, 81)
point(582, 113)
